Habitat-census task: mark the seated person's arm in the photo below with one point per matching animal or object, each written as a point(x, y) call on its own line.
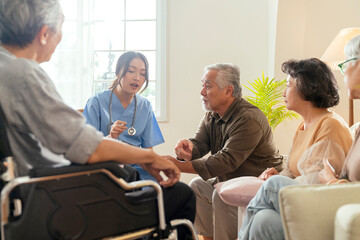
point(110, 149)
point(196, 147)
point(327, 174)
point(243, 139)
point(201, 141)
point(311, 163)
point(92, 115)
point(183, 151)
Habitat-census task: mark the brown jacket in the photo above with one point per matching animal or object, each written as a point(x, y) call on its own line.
point(241, 144)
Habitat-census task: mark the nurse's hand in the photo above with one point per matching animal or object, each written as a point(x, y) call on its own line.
point(117, 128)
point(183, 149)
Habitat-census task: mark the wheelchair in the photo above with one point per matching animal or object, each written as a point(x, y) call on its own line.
point(97, 201)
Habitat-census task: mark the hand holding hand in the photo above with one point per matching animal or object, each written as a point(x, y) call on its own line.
point(327, 173)
point(268, 173)
point(117, 128)
point(162, 164)
point(183, 149)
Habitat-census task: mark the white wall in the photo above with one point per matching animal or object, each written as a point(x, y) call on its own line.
point(204, 32)
point(257, 36)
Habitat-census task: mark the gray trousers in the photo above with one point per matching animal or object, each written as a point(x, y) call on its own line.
point(214, 218)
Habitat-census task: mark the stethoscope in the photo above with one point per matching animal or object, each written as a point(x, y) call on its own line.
point(131, 130)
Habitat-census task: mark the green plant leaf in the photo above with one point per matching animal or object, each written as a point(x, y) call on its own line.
point(268, 98)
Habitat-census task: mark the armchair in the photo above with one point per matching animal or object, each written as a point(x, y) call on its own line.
point(321, 212)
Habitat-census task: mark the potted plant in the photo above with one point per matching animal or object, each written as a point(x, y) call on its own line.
point(268, 98)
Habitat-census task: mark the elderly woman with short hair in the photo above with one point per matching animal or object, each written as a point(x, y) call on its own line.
point(311, 90)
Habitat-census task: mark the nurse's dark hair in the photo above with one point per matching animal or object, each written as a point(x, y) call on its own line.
point(21, 20)
point(122, 66)
point(314, 80)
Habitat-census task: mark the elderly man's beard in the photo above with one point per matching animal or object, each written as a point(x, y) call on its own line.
point(205, 107)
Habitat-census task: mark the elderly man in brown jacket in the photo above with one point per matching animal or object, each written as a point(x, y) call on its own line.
point(240, 140)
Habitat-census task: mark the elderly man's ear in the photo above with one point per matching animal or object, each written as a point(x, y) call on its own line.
point(43, 34)
point(229, 90)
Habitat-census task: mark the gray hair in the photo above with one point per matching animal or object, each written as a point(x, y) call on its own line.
point(352, 48)
point(21, 20)
point(228, 75)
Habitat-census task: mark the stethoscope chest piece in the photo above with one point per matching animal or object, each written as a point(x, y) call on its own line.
point(131, 131)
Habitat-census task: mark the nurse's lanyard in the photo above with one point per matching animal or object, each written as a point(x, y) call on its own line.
point(131, 130)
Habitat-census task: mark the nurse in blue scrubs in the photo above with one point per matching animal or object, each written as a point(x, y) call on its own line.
point(121, 113)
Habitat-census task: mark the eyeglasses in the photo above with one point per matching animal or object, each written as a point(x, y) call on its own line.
point(345, 64)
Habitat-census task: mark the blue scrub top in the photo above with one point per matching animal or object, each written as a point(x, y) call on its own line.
point(148, 133)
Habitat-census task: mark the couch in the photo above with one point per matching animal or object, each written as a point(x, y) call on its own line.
point(321, 212)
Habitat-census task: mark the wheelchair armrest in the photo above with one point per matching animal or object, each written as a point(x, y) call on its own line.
point(127, 173)
point(141, 196)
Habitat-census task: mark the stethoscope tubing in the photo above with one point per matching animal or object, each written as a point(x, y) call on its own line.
point(131, 130)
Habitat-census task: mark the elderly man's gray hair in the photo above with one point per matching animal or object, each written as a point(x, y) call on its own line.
point(21, 20)
point(228, 75)
point(352, 48)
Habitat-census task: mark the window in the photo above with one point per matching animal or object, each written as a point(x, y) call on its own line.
point(95, 34)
